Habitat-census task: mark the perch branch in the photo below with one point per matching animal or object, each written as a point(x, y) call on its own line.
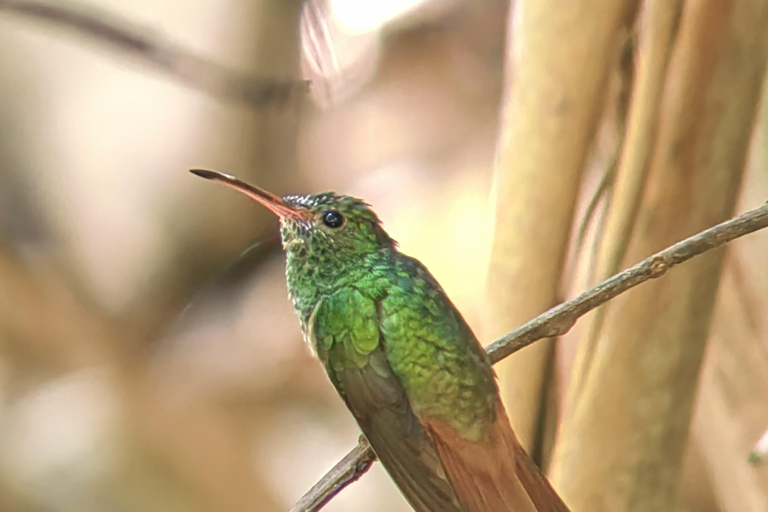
point(555, 322)
point(346, 471)
point(148, 48)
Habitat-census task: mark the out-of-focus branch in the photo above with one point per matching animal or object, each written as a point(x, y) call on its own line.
point(150, 49)
point(556, 322)
point(197, 447)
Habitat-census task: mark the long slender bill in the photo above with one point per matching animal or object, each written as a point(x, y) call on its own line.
point(271, 201)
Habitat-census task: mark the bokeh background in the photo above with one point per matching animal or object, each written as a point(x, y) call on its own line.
point(149, 357)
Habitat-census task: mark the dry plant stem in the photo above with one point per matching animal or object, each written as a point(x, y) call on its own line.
point(733, 389)
point(659, 22)
point(556, 322)
point(187, 68)
point(632, 417)
point(603, 189)
point(730, 414)
point(551, 110)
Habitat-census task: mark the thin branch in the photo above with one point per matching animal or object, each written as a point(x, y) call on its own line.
point(149, 49)
point(346, 471)
point(606, 183)
point(555, 322)
point(559, 320)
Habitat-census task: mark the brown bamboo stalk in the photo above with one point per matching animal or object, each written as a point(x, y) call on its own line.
point(621, 447)
point(554, 98)
point(730, 413)
point(658, 29)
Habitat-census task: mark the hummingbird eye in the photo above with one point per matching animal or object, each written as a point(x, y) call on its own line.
point(333, 219)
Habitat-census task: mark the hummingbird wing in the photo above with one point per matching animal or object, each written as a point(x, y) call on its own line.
point(344, 330)
point(451, 387)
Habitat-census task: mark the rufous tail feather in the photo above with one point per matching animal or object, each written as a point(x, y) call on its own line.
point(494, 475)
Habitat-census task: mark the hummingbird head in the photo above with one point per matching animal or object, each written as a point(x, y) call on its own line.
point(327, 237)
point(337, 226)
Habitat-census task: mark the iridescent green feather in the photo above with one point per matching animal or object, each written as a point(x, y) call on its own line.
point(435, 354)
point(347, 319)
point(358, 368)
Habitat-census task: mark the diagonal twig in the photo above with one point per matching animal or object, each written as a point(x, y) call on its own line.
point(346, 471)
point(149, 49)
point(555, 322)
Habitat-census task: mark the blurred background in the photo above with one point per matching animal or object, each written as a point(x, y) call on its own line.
point(149, 357)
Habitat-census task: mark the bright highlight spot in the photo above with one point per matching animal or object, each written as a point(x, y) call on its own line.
point(356, 16)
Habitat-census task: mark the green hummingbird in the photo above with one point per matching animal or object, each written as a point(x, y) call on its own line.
point(403, 359)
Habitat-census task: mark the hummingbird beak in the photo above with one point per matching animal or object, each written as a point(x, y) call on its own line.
point(272, 202)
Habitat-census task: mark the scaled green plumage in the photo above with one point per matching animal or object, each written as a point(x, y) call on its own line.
point(362, 292)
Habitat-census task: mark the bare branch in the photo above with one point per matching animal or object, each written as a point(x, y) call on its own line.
point(150, 49)
point(346, 471)
point(559, 320)
point(555, 322)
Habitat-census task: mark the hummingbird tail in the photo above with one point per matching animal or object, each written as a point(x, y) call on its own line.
point(544, 497)
point(495, 475)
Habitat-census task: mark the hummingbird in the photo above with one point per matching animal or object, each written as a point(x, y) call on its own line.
point(403, 359)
